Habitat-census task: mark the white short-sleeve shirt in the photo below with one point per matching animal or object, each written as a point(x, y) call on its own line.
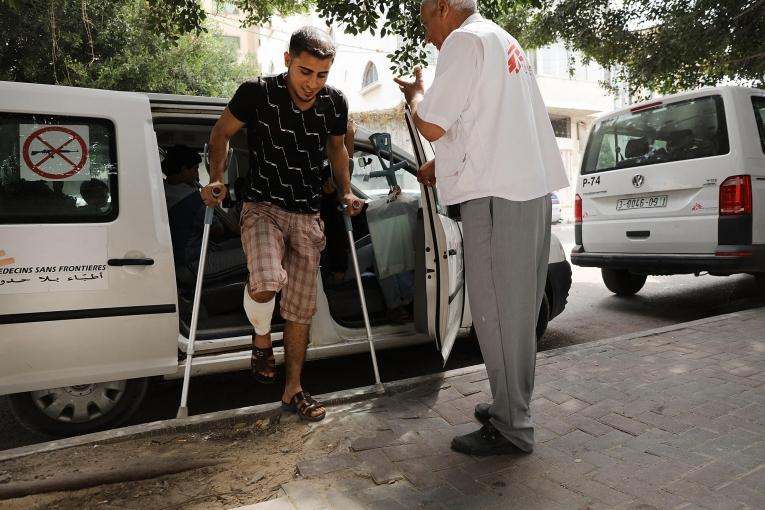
point(498, 140)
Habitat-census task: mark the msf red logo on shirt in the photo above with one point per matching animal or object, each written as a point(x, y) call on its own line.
point(515, 60)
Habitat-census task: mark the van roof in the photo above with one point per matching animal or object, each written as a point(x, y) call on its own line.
point(727, 89)
point(160, 99)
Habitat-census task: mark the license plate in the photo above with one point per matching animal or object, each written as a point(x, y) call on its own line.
point(624, 204)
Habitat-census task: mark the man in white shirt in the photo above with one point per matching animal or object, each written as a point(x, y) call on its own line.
point(497, 157)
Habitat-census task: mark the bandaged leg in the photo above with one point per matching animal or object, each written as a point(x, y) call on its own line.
point(259, 314)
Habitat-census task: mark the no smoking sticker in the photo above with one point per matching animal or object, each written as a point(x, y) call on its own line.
point(56, 153)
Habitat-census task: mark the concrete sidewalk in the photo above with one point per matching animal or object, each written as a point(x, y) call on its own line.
point(667, 418)
point(673, 418)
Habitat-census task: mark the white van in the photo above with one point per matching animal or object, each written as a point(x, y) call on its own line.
point(674, 186)
point(91, 304)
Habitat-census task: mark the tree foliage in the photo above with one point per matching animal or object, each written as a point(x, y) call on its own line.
point(657, 45)
point(112, 45)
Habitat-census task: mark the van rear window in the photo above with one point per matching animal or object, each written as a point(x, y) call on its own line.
point(689, 129)
point(57, 169)
point(758, 102)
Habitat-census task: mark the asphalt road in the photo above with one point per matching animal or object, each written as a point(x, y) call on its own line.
point(592, 313)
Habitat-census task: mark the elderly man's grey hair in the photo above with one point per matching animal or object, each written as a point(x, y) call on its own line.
point(459, 5)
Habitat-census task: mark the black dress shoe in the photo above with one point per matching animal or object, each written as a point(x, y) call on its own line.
point(481, 412)
point(485, 441)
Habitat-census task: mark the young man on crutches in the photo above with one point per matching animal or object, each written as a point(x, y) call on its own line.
point(293, 120)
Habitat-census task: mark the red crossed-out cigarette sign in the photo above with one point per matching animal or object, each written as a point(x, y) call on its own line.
point(55, 152)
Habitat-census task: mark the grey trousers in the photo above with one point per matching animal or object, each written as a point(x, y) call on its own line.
point(507, 246)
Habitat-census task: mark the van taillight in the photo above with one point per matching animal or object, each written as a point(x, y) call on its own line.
point(577, 209)
point(736, 196)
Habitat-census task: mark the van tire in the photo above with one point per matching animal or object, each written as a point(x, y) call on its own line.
point(544, 317)
point(126, 403)
point(621, 282)
point(760, 285)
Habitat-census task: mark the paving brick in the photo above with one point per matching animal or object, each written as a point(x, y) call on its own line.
point(326, 465)
point(418, 474)
point(379, 467)
point(409, 451)
point(555, 396)
point(346, 501)
point(606, 441)
point(447, 460)
point(755, 479)
point(303, 495)
point(572, 443)
point(463, 481)
point(382, 438)
point(743, 494)
point(636, 407)
point(574, 405)
point(702, 496)
point(714, 474)
point(588, 425)
point(554, 425)
point(467, 404)
point(601, 408)
point(692, 437)
point(663, 422)
point(556, 491)
point(452, 415)
point(543, 435)
point(628, 425)
point(733, 441)
point(663, 473)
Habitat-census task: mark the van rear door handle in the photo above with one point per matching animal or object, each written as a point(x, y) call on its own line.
point(131, 262)
point(638, 234)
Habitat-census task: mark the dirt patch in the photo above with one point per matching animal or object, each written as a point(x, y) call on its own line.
point(258, 456)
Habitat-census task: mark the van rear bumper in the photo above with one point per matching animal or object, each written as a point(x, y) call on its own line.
point(728, 259)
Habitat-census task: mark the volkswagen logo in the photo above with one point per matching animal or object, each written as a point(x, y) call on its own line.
point(638, 180)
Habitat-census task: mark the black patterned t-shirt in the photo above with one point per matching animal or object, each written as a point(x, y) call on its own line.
point(287, 146)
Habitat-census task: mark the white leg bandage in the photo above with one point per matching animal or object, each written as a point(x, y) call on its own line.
point(259, 314)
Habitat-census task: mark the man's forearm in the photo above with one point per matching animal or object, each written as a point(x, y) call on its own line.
point(341, 171)
point(217, 151)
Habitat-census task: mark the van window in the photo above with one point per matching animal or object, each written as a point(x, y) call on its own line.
point(758, 102)
point(689, 129)
point(57, 169)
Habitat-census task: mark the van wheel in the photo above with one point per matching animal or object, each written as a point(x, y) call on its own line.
point(621, 282)
point(760, 285)
point(80, 409)
point(544, 317)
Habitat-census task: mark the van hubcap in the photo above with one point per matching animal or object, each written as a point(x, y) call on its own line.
point(81, 403)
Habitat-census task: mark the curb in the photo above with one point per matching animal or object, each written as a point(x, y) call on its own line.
point(203, 422)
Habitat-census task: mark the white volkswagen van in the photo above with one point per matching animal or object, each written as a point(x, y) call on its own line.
point(91, 304)
point(673, 186)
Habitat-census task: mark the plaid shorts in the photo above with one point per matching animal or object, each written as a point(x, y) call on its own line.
point(283, 250)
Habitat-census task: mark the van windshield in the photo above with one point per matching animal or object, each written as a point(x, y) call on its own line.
point(689, 129)
point(759, 115)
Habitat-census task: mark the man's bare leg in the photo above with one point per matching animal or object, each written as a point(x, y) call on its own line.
point(295, 345)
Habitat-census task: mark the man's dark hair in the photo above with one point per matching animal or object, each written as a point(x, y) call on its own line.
point(179, 157)
point(313, 41)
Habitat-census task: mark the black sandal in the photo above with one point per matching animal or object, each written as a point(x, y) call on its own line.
point(263, 363)
point(304, 404)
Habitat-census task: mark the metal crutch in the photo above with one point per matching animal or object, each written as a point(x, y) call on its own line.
point(183, 410)
point(349, 229)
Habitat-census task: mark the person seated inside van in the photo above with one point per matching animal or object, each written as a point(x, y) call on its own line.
point(95, 193)
point(185, 210)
